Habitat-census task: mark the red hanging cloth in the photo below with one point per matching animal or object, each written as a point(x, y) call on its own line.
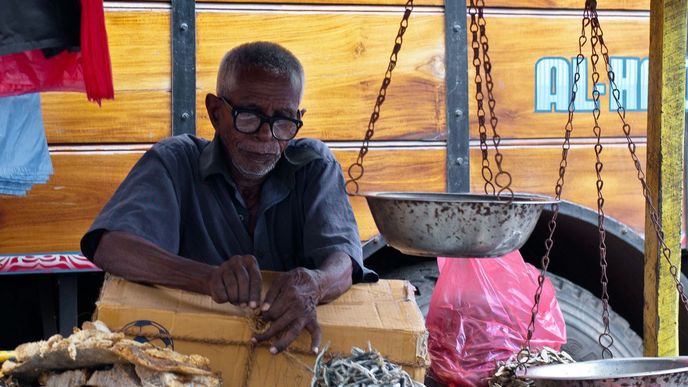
point(95, 53)
point(86, 70)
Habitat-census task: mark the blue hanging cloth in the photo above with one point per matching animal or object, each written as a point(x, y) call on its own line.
point(24, 156)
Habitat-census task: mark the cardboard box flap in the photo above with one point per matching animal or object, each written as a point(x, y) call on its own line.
point(386, 304)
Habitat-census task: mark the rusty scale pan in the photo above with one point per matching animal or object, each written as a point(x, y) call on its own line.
point(455, 225)
point(639, 371)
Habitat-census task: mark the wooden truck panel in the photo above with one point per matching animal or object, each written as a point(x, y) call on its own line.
point(344, 49)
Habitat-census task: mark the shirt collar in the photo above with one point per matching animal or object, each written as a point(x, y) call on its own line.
point(213, 162)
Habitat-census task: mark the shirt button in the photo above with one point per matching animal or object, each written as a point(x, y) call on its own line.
point(241, 218)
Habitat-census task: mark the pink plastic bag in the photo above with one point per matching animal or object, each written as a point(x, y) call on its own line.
point(479, 314)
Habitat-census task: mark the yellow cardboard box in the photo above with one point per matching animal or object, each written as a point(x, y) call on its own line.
point(384, 314)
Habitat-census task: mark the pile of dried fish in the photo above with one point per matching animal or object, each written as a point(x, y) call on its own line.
point(505, 372)
point(95, 356)
point(362, 368)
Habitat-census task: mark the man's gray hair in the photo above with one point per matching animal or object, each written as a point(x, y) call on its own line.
point(267, 56)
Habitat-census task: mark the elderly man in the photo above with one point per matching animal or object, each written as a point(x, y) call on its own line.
point(207, 216)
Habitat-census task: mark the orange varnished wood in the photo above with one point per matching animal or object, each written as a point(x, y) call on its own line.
point(352, 3)
point(54, 216)
point(536, 168)
point(345, 57)
point(517, 43)
point(570, 4)
point(343, 74)
point(139, 43)
point(135, 116)
point(551, 4)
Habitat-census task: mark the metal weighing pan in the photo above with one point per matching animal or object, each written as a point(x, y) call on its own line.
point(435, 224)
point(637, 371)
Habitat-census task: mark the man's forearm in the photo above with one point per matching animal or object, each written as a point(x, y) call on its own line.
point(136, 259)
point(334, 276)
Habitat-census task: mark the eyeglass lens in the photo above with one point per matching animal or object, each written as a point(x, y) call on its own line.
point(282, 129)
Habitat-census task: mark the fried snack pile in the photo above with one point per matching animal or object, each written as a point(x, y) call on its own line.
point(95, 356)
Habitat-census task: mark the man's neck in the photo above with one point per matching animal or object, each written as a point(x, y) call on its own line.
point(244, 183)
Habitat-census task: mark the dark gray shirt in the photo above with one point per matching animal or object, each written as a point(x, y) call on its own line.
point(181, 197)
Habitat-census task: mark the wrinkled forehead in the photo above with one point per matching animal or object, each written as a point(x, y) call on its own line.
point(240, 77)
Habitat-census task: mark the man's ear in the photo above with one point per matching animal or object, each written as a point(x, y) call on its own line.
point(213, 105)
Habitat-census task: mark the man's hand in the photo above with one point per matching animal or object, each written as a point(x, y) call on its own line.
point(290, 306)
point(237, 281)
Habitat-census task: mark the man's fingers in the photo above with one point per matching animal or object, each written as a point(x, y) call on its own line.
point(273, 292)
point(230, 282)
point(217, 289)
point(282, 305)
point(242, 285)
point(275, 328)
point(255, 282)
point(287, 337)
point(316, 335)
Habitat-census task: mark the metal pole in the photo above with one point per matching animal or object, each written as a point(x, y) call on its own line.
point(183, 66)
point(458, 166)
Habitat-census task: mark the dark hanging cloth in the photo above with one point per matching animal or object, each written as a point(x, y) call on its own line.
point(49, 25)
point(54, 45)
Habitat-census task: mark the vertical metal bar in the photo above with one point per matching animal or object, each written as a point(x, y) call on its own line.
point(665, 129)
point(458, 166)
point(183, 66)
point(67, 296)
point(46, 290)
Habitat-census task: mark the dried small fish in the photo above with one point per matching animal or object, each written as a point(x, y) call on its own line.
point(504, 374)
point(362, 368)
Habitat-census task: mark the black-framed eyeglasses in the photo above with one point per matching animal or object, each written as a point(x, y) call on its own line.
point(248, 121)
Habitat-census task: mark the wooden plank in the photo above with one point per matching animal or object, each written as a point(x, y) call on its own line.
point(352, 3)
point(134, 116)
point(666, 126)
point(560, 4)
point(521, 43)
point(571, 4)
point(345, 57)
point(139, 44)
point(536, 168)
point(54, 216)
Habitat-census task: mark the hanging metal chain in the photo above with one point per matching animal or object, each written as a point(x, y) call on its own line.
point(647, 194)
point(356, 169)
point(486, 172)
point(503, 178)
point(605, 339)
point(524, 354)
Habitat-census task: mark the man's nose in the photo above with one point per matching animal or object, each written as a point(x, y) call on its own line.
point(264, 133)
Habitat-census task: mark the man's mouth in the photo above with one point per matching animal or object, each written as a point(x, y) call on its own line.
point(260, 155)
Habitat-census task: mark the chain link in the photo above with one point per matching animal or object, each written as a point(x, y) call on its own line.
point(486, 172)
point(647, 194)
point(503, 178)
point(524, 354)
point(483, 65)
point(356, 169)
point(590, 19)
point(605, 339)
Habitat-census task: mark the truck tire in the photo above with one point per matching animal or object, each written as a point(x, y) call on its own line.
point(582, 312)
point(581, 309)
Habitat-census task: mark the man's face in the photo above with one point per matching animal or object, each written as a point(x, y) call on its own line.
point(254, 155)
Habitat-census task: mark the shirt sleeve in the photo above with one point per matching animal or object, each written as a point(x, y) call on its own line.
point(145, 204)
point(329, 224)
